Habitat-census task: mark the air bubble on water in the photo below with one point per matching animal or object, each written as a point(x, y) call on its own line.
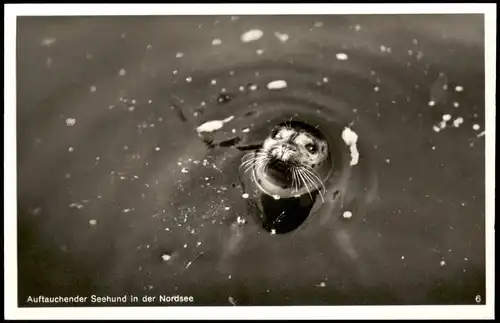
point(122, 72)
point(432, 103)
point(342, 56)
point(245, 195)
point(71, 149)
point(459, 88)
point(47, 42)
point(252, 35)
point(446, 117)
point(259, 51)
point(282, 37)
point(357, 27)
point(189, 79)
point(347, 214)
point(93, 88)
point(476, 127)
point(93, 222)
point(216, 42)
point(179, 55)
point(70, 122)
point(277, 85)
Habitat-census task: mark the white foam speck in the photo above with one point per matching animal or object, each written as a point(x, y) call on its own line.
point(150, 101)
point(93, 222)
point(446, 117)
point(216, 42)
point(432, 103)
point(122, 72)
point(252, 35)
point(282, 37)
point(476, 127)
point(456, 104)
point(179, 55)
point(442, 124)
point(259, 51)
point(273, 231)
point(245, 195)
point(351, 138)
point(166, 257)
point(93, 88)
point(48, 42)
point(442, 263)
point(277, 85)
point(436, 128)
point(184, 170)
point(383, 49)
point(245, 130)
point(213, 82)
point(376, 89)
point(126, 210)
point(276, 197)
point(189, 79)
point(347, 214)
point(71, 149)
point(458, 121)
point(325, 80)
point(459, 88)
point(157, 148)
point(70, 122)
point(213, 125)
point(318, 24)
point(357, 27)
point(76, 205)
point(253, 87)
point(342, 56)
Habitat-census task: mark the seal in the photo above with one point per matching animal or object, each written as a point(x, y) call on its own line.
point(293, 160)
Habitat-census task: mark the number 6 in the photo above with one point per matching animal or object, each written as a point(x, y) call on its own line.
point(478, 299)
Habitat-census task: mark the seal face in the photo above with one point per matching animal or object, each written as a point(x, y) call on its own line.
point(292, 161)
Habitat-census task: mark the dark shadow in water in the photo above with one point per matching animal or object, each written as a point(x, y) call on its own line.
point(285, 215)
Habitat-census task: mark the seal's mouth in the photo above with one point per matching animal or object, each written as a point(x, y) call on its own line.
point(280, 171)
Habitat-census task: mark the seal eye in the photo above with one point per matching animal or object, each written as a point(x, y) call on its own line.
point(311, 148)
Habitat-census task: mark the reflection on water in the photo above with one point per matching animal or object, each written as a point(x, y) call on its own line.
point(113, 174)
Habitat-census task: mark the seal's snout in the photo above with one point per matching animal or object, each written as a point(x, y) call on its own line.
point(283, 152)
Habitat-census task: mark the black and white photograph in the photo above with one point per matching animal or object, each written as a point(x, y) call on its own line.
point(249, 161)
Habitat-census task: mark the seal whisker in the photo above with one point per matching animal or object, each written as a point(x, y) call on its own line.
point(300, 172)
point(313, 173)
point(313, 183)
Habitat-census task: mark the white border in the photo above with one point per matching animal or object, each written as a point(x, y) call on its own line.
point(401, 312)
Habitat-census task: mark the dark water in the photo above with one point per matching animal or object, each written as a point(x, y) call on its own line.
point(129, 200)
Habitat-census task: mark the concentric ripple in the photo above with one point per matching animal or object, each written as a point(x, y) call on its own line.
point(131, 141)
